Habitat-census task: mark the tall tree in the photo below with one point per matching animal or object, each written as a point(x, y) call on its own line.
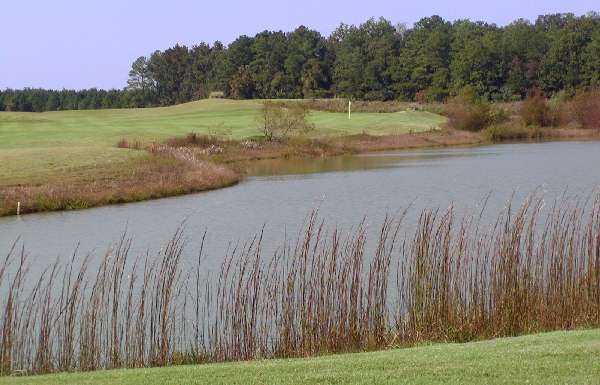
point(423, 61)
point(139, 75)
point(305, 65)
point(269, 54)
point(476, 59)
point(591, 70)
point(523, 47)
point(563, 65)
point(171, 71)
point(364, 56)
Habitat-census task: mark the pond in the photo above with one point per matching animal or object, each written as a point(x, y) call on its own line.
point(280, 194)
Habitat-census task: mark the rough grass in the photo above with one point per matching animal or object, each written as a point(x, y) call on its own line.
point(552, 358)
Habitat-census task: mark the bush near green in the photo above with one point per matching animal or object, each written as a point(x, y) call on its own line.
point(586, 108)
point(535, 111)
point(468, 112)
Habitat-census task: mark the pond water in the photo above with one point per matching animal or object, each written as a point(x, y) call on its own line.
point(280, 194)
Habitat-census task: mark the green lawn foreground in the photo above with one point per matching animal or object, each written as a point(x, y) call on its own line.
point(552, 358)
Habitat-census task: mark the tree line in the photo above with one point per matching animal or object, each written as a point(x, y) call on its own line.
point(376, 60)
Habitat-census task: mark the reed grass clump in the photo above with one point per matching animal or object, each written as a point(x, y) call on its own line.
point(448, 278)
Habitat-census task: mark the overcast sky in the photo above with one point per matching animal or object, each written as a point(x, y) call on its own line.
point(81, 44)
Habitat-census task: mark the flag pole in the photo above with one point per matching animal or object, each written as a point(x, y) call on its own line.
point(349, 108)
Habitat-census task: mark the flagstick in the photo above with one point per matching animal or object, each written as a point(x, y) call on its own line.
point(349, 108)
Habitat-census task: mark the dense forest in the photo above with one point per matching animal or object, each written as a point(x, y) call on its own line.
point(376, 60)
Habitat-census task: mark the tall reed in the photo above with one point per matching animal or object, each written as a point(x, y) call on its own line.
point(450, 279)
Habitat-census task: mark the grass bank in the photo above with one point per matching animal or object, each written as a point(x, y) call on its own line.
point(551, 358)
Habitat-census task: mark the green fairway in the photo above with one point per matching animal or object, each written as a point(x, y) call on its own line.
point(36, 146)
point(552, 358)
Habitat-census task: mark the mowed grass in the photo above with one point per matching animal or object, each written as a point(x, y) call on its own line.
point(552, 358)
point(37, 146)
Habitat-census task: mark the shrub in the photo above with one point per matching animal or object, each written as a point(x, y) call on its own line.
point(498, 115)
point(537, 111)
point(468, 114)
point(586, 108)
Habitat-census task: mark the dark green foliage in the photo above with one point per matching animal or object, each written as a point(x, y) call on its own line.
point(39, 100)
point(476, 58)
point(591, 61)
point(423, 60)
point(563, 66)
point(431, 61)
point(364, 54)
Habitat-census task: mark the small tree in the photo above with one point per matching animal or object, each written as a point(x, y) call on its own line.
point(279, 120)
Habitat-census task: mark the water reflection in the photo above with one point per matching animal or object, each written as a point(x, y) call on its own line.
point(359, 162)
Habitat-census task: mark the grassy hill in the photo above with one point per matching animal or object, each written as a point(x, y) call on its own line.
point(552, 358)
point(37, 146)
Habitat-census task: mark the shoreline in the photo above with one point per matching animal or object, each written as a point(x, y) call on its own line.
point(197, 164)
